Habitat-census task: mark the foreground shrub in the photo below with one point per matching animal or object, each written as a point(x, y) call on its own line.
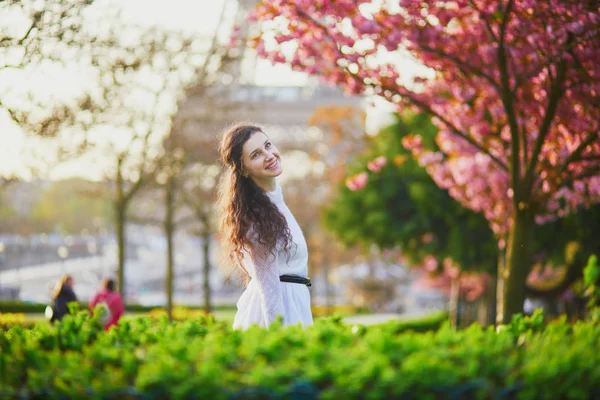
point(145, 357)
point(9, 320)
point(14, 306)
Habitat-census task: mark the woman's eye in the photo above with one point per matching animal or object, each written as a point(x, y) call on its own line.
point(268, 145)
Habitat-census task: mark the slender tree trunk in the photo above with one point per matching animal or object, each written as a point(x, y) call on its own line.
point(121, 242)
point(454, 298)
point(486, 312)
point(169, 232)
point(519, 257)
point(120, 221)
point(499, 295)
point(328, 303)
point(207, 268)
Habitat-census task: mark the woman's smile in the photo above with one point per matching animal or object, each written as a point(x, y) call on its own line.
point(273, 164)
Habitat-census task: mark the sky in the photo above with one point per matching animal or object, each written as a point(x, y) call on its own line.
point(19, 151)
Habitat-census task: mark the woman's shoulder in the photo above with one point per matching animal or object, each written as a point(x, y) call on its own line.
point(276, 195)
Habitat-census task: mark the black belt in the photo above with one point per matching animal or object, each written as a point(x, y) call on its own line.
point(295, 279)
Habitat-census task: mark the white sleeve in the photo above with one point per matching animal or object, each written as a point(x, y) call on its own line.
point(267, 281)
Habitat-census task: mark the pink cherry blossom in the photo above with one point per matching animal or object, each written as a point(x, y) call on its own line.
point(376, 164)
point(357, 182)
point(513, 88)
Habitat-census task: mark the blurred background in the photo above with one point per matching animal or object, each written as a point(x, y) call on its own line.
point(109, 112)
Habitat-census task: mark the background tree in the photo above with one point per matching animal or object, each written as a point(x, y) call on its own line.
point(512, 86)
point(139, 96)
point(33, 34)
point(190, 169)
point(67, 207)
point(390, 201)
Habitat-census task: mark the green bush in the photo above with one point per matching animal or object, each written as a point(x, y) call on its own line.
point(591, 281)
point(431, 322)
point(201, 358)
point(9, 320)
point(11, 306)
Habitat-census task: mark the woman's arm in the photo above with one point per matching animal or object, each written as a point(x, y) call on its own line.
point(267, 281)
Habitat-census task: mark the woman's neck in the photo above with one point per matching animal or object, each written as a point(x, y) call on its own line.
point(266, 184)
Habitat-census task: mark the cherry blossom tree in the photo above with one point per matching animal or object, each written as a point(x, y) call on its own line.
point(511, 85)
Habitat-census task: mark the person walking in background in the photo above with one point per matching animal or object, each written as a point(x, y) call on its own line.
point(259, 232)
point(111, 301)
point(62, 295)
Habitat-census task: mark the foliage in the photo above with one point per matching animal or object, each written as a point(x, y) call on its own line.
point(10, 306)
point(571, 238)
point(512, 86)
point(491, 66)
point(591, 281)
point(144, 357)
point(400, 205)
point(8, 320)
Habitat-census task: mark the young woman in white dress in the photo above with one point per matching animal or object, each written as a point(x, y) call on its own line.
point(259, 233)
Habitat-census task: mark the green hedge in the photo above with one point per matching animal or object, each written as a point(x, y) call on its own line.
point(431, 322)
point(201, 358)
point(7, 306)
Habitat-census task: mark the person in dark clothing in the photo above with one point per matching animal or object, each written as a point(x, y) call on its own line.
point(62, 295)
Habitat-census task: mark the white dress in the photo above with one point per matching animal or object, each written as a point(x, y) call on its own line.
point(265, 296)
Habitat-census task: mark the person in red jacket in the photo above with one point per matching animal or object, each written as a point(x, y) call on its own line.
point(112, 302)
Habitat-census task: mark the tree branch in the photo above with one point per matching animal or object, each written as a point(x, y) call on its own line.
point(487, 23)
point(506, 95)
point(553, 100)
point(453, 128)
point(11, 113)
point(574, 272)
point(586, 174)
point(576, 155)
point(590, 158)
point(557, 56)
point(476, 71)
point(416, 102)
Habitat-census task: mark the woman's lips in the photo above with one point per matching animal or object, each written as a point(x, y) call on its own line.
point(273, 165)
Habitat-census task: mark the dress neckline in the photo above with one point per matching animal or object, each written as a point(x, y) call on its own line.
point(276, 194)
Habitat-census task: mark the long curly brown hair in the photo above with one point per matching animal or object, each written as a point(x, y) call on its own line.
point(243, 205)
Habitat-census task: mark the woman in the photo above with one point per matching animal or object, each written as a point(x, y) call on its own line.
point(259, 233)
point(62, 295)
point(112, 300)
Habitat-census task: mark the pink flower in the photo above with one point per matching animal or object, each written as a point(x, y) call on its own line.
point(357, 182)
point(376, 164)
point(427, 238)
point(339, 42)
point(430, 263)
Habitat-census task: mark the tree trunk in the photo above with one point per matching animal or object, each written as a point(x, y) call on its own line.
point(121, 240)
point(498, 295)
point(328, 303)
point(454, 298)
point(120, 221)
point(207, 268)
point(519, 257)
point(169, 231)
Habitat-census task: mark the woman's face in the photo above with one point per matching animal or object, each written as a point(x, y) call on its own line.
point(260, 157)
